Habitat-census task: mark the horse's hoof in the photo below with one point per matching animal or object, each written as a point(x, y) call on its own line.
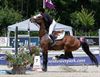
point(43, 69)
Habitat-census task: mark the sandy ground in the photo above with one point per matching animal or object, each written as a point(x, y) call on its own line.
point(60, 71)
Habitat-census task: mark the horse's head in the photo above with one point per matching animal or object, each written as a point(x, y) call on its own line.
point(37, 19)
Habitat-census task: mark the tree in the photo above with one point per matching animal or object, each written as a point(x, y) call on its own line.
point(7, 17)
point(83, 20)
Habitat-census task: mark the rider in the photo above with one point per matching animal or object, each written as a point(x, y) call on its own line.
point(50, 24)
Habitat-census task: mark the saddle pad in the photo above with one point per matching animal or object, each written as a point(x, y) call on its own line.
point(61, 35)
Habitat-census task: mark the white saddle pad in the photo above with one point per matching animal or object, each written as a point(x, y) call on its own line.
point(61, 35)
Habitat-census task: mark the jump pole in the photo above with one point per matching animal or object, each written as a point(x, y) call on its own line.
point(29, 40)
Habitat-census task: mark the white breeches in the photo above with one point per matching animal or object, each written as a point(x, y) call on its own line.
point(52, 26)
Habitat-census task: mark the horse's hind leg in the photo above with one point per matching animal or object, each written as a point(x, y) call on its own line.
point(86, 49)
point(45, 61)
point(68, 54)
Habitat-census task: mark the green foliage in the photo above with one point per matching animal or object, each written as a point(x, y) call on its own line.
point(53, 14)
point(35, 50)
point(23, 58)
point(89, 33)
point(86, 18)
point(35, 33)
point(9, 16)
point(83, 19)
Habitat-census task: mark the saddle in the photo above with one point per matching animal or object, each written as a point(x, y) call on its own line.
point(59, 34)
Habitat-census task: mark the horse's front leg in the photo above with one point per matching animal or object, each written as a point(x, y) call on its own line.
point(44, 46)
point(45, 60)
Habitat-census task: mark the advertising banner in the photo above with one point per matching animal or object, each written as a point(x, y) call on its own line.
point(23, 41)
point(51, 62)
point(71, 62)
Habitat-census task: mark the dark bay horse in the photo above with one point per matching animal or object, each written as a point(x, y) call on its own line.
point(68, 44)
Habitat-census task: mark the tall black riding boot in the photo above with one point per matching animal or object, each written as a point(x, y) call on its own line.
point(53, 37)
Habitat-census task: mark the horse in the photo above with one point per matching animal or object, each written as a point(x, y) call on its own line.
point(68, 43)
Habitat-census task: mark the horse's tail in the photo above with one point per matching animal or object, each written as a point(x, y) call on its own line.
point(85, 47)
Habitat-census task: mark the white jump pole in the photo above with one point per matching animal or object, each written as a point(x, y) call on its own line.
point(29, 40)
